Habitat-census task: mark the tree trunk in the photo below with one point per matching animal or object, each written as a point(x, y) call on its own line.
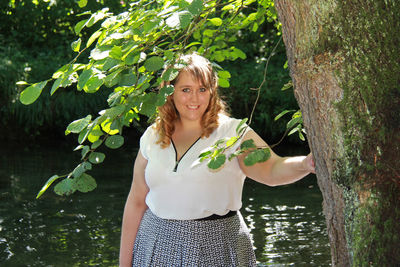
point(344, 60)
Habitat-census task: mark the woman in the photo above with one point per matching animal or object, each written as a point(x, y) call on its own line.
point(178, 211)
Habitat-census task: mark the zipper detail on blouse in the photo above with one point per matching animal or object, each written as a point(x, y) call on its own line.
point(176, 154)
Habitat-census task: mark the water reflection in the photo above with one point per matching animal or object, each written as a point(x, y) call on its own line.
point(83, 230)
point(287, 225)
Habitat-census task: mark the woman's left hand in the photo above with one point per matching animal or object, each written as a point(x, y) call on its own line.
point(309, 164)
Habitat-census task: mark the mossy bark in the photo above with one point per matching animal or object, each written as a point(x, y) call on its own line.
point(344, 59)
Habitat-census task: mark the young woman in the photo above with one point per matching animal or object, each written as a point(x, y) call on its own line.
point(178, 211)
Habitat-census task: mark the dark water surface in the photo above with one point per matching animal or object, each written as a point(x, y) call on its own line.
point(287, 225)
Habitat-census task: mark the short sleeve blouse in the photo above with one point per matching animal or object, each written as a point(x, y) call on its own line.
point(189, 189)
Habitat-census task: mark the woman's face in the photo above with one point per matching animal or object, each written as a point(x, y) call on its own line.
point(191, 98)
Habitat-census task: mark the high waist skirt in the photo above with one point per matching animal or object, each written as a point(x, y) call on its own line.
point(221, 242)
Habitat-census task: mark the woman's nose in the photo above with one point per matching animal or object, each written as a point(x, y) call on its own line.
point(194, 95)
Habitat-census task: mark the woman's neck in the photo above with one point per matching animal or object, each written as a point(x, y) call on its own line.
point(188, 126)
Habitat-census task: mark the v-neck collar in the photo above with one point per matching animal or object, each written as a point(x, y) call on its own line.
point(176, 153)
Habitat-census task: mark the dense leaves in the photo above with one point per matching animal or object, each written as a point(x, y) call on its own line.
point(130, 50)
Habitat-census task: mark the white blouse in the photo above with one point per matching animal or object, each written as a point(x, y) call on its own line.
point(188, 189)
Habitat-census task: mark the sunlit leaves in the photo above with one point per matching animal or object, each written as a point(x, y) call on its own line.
point(76, 45)
point(82, 3)
point(128, 53)
point(179, 19)
point(170, 74)
point(295, 124)
point(30, 94)
point(47, 185)
point(216, 21)
point(78, 125)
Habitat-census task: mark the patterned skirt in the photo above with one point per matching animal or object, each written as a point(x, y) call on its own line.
point(221, 242)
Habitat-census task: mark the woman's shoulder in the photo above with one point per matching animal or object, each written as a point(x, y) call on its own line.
point(150, 132)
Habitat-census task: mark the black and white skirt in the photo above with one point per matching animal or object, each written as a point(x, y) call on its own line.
point(221, 242)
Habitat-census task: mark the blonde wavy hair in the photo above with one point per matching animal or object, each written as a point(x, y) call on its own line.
point(201, 69)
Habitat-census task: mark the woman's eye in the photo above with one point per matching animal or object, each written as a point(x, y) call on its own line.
point(186, 90)
point(203, 89)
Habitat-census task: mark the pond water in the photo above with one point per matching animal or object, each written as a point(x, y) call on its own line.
point(287, 225)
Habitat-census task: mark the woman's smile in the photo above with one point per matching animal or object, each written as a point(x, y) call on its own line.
point(190, 97)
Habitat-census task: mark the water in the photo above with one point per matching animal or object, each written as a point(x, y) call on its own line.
point(287, 225)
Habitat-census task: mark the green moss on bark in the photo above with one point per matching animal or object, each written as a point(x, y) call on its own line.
point(366, 35)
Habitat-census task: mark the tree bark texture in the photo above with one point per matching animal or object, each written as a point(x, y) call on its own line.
point(344, 61)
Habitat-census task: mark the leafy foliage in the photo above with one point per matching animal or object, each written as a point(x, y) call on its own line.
point(127, 53)
point(215, 155)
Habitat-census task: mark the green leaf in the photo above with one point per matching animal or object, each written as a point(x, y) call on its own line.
point(83, 135)
point(96, 144)
point(179, 19)
point(115, 141)
point(232, 141)
point(30, 94)
point(82, 3)
point(224, 74)
point(223, 83)
point(100, 53)
point(85, 183)
point(61, 71)
point(65, 187)
point(148, 106)
point(93, 84)
point(170, 74)
point(257, 156)
point(96, 157)
point(294, 121)
point(162, 95)
point(78, 171)
point(205, 154)
point(83, 78)
point(76, 45)
point(154, 63)
point(288, 85)
point(301, 136)
point(128, 79)
point(79, 26)
point(196, 7)
point(47, 185)
point(93, 38)
point(87, 165)
point(84, 151)
point(113, 78)
point(116, 52)
point(217, 162)
point(239, 53)
point(149, 25)
point(282, 114)
point(248, 144)
point(78, 125)
point(216, 21)
point(56, 85)
point(21, 83)
point(240, 125)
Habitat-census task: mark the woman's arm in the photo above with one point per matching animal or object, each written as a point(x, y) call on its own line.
point(135, 207)
point(276, 170)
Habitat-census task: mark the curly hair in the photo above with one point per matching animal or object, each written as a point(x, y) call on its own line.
point(201, 69)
